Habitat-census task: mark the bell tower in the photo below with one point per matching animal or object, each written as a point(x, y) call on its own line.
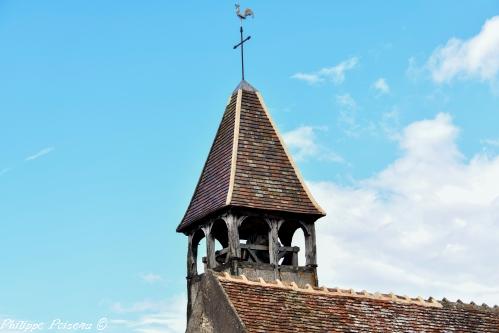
point(249, 202)
point(251, 199)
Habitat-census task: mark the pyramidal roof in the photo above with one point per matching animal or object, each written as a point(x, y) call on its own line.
point(249, 165)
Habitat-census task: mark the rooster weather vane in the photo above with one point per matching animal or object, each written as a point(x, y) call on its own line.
point(242, 16)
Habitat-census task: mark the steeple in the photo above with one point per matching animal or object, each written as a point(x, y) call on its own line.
point(249, 166)
point(251, 198)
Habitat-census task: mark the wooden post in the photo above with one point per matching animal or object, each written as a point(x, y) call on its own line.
point(210, 247)
point(294, 260)
point(310, 245)
point(273, 241)
point(191, 257)
point(233, 222)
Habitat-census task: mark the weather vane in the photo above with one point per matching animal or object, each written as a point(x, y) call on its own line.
point(242, 16)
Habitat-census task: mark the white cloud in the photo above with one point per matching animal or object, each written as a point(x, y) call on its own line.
point(39, 154)
point(310, 78)
point(167, 316)
point(355, 124)
point(390, 123)
point(477, 57)
point(150, 277)
point(381, 86)
point(347, 101)
point(414, 71)
point(302, 142)
point(334, 74)
point(347, 115)
point(490, 142)
point(425, 225)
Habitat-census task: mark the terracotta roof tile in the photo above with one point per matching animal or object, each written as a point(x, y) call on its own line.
point(265, 177)
point(279, 307)
point(213, 185)
point(248, 165)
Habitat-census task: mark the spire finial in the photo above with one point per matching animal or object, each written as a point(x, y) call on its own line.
point(242, 16)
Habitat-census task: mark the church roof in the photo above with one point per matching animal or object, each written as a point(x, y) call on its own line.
point(248, 165)
point(278, 307)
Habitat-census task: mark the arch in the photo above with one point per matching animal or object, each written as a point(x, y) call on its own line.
point(255, 232)
point(291, 239)
point(220, 232)
point(298, 241)
point(197, 238)
point(220, 237)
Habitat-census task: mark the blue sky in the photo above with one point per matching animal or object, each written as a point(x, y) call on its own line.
point(107, 112)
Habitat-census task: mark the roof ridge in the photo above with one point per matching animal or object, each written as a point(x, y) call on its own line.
point(290, 158)
point(430, 302)
point(460, 304)
point(186, 220)
point(390, 297)
point(235, 144)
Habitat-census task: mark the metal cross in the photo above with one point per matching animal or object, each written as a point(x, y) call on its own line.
point(242, 16)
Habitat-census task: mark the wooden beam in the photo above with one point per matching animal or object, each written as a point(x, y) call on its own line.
point(210, 252)
point(273, 241)
point(254, 247)
point(191, 258)
point(232, 222)
point(310, 246)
